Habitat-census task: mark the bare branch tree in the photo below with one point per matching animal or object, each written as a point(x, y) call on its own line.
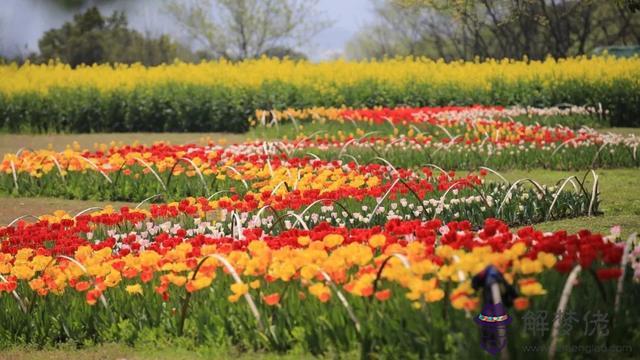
point(241, 29)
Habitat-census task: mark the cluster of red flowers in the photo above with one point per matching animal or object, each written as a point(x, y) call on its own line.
point(65, 236)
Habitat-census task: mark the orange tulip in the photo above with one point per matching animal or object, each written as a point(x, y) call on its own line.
point(82, 286)
point(383, 295)
point(521, 303)
point(272, 299)
point(92, 296)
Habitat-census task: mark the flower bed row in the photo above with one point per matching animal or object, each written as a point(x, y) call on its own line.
point(323, 288)
point(444, 115)
point(287, 196)
point(245, 214)
point(459, 139)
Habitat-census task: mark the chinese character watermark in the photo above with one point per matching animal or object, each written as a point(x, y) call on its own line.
point(538, 322)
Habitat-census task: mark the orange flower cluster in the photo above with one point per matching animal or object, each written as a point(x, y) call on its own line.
point(359, 267)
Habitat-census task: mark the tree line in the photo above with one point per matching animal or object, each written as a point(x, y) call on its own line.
point(471, 29)
point(230, 29)
point(438, 29)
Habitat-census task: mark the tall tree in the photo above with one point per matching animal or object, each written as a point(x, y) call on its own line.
point(241, 29)
point(501, 28)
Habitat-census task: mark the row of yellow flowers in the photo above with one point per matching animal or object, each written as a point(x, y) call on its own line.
point(263, 176)
point(323, 76)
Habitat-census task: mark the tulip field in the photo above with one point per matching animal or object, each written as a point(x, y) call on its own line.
point(331, 231)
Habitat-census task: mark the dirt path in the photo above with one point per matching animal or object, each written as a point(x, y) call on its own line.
point(10, 207)
point(13, 142)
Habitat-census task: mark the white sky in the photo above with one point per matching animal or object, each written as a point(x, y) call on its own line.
point(22, 23)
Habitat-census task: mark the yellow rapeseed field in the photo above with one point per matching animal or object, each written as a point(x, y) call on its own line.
point(323, 77)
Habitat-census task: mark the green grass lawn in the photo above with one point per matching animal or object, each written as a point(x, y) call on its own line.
point(10, 143)
point(619, 194)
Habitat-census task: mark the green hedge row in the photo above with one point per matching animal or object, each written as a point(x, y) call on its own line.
point(178, 107)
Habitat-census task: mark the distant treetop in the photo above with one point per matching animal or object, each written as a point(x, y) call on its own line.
point(92, 38)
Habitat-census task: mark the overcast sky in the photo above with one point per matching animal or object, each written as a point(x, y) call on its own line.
point(22, 23)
